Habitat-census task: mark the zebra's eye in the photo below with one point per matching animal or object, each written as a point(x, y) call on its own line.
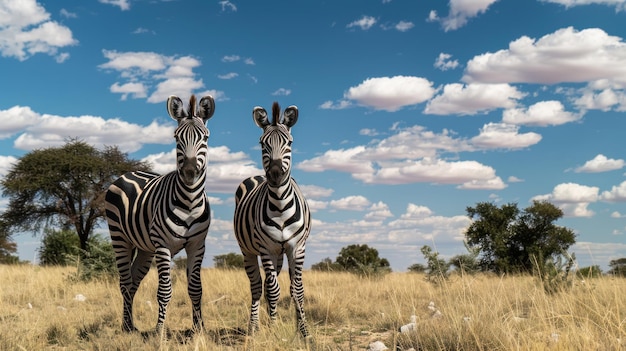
point(205, 138)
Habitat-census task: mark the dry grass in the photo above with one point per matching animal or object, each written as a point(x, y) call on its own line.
point(39, 310)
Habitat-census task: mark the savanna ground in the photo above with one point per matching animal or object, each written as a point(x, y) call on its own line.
point(43, 308)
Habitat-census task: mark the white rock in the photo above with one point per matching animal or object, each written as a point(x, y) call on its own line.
point(80, 297)
point(408, 327)
point(377, 346)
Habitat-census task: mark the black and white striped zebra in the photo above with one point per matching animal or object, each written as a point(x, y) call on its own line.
point(272, 218)
point(151, 215)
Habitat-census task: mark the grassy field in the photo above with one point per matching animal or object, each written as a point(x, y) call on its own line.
point(41, 308)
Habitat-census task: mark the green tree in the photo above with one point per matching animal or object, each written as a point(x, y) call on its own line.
point(511, 240)
point(62, 187)
point(436, 267)
point(228, 261)
point(362, 259)
point(618, 267)
point(58, 248)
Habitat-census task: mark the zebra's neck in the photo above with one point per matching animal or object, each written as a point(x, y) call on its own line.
point(186, 196)
point(282, 192)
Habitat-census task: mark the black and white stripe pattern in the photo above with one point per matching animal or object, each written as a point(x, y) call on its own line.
point(152, 215)
point(272, 218)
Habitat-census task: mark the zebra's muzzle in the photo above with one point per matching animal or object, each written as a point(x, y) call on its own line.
point(275, 173)
point(190, 171)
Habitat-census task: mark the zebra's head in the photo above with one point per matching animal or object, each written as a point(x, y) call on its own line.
point(276, 142)
point(191, 136)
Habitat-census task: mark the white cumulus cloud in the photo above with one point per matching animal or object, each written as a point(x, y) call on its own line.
point(600, 163)
point(567, 55)
point(471, 99)
point(391, 93)
point(460, 13)
point(26, 30)
point(543, 113)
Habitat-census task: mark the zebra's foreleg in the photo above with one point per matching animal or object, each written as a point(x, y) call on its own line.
point(297, 290)
point(251, 264)
point(272, 289)
point(194, 285)
point(164, 292)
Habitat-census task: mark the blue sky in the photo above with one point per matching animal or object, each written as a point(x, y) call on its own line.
point(410, 111)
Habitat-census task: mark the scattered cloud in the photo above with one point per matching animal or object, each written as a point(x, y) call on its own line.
point(228, 6)
point(404, 26)
point(27, 30)
point(460, 13)
point(616, 194)
point(600, 163)
point(282, 92)
point(504, 136)
point(444, 63)
point(67, 14)
point(6, 162)
point(339, 105)
point(567, 55)
point(124, 5)
point(351, 203)
point(148, 71)
point(619, 4)
point(471, 99)
point(227, 76)
point(44, 130)
point(409, 156)
point(365, 23)
point(542, 114)
point(231, 58)
point(572, 198)
point(391, 93)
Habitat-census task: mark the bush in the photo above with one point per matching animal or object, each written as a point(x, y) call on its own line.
point(58, 248)
point(362, 260)
point(417, 268)
point(327, 265)
point(98, 262)
point(229, 261)
point(554, 272)
point(589, 272)
point(436, 268)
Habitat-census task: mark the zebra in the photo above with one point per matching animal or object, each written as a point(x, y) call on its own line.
point(272, 219)
point(151, 215)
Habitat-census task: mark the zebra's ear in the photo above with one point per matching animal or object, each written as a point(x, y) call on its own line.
point(176, 108)
point(260, 117)
point(207, 107)
point(290, 116)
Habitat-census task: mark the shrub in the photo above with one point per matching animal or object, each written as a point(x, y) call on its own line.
point(58, 248)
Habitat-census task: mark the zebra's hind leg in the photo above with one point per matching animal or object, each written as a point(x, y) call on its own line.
point(251, 264)
point(272, 267)
point(124, 252)
point(194, 285)
point(164, 292)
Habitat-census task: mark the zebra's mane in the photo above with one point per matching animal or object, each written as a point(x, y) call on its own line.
point(275, 113)
point(191, 110)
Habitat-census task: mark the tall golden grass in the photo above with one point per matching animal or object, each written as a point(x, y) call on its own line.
point(39, 310)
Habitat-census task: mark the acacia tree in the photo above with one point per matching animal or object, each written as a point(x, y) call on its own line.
point(63, 186)
point(511, 240)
